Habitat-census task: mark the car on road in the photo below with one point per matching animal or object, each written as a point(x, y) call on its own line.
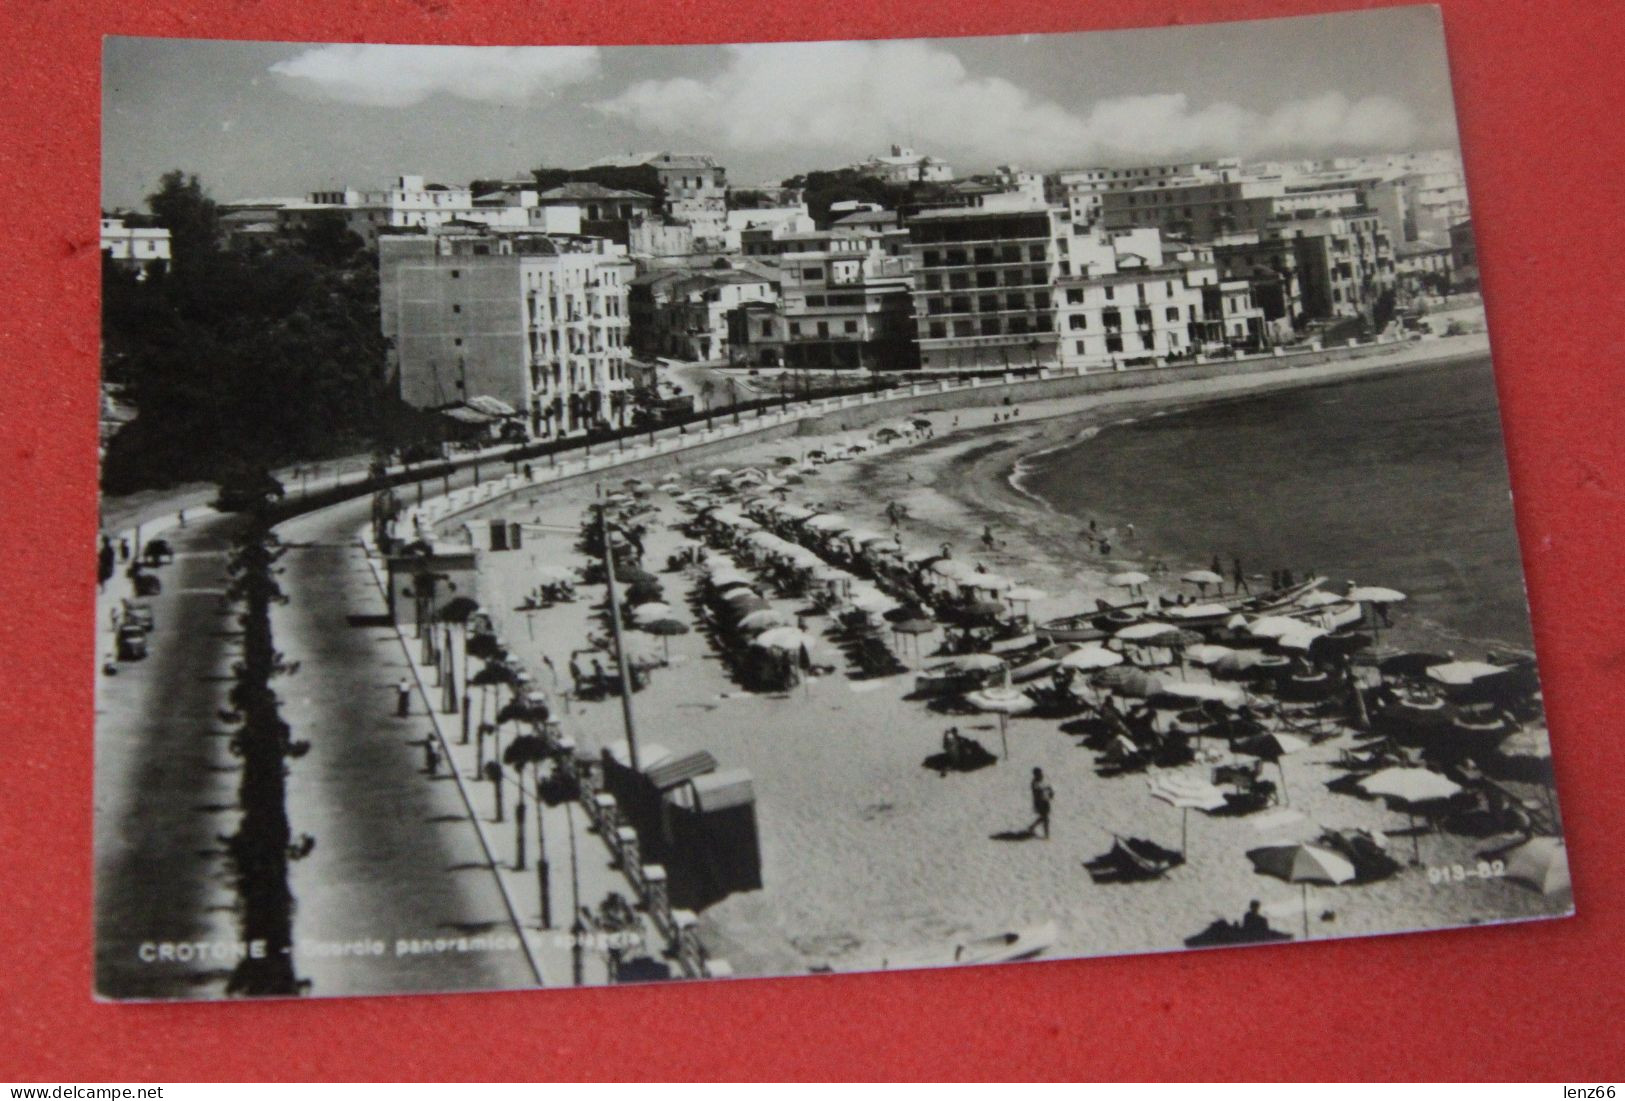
point(132, 642)
point(138, 613)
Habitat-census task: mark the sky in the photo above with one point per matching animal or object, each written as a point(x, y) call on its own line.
point(256, 119)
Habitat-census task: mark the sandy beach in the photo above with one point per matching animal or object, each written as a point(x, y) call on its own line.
point(866, 852)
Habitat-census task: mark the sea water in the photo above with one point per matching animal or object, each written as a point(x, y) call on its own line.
point(1398, 481)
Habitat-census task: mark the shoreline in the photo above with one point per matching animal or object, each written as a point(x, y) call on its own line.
point(954, 486)
point(865, 849)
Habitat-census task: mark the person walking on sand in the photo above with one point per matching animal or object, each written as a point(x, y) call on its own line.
point(105, 564)
point(988, 540)
point(403, 698)
point(1240, 579)
point(1043, 799)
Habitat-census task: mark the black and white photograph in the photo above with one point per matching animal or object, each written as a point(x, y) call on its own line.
point(581, 515)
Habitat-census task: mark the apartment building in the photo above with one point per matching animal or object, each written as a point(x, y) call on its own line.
point(984, 285)
point(904, 166)
point(837, 310)
point(133, 247)
point(535, 322)
point(1194, 209)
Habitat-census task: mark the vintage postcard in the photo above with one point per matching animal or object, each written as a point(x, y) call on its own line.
point(580, 515)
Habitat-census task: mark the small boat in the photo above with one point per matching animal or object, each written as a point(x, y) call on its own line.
point(1008, 947)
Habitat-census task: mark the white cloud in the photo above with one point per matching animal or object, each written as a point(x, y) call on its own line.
point(400, 76)
point(847, 96)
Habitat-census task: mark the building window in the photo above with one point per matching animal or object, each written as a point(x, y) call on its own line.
point(988, 303)
point(455, 274)
point(959, 281)
point(1111, 319)
point(1015, 301)
point(823, 328)
point(812, 275)
point(961, 304)
point(767, 328)
point(1077, 321)
point(1010, 254)
point(1074, 296)
point(1041, 300)
point(964, 328)
point(930, 258)
point(457, 342)
point(990, 326)
point(795, 328)
point(987, 279)
point(1114, 344)
point(456, 308)
point(1111, 292)
point(938, 330)
point(933, 282)
point(1173, 313)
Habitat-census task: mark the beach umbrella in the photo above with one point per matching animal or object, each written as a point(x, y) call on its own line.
point(1206, 653)
point(665, 629)
point(973, 663)
point(913, 627)
point(1143, 632)
point(1273, 626)
point(1541, 862)
point(1002, 702)
point(1202, 578)
point(1463, 672)
point(1300, 639)
point(828, 521)
point(1415, 788)
point(1129, 579)
point(719, 473)
point(747, 603)
point(1272, 746)
point(920, 422)
point(785, 638)
point(1186, 793)
point(763, 619)
point(1126, 680)
point(645, 614)
point(1411, 785)
point(1303, 865)
point(1374, 594)
point(1091, 657)
point(872, 600)
point(1237, 661)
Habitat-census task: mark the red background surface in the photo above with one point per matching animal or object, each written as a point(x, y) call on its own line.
point(1541, 104)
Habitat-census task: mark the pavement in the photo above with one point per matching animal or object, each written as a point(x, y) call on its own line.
point(395, 855)
point(165, 781)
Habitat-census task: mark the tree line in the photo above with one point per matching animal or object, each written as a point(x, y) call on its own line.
point(241, 358)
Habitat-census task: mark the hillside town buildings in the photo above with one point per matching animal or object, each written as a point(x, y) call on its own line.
point(525, 326)
point(557, 289)
point(133, 247)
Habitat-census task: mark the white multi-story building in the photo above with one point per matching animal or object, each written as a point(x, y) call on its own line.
point(536, 321)
point(131, 247)
point(1127, 302)
point(903, 165)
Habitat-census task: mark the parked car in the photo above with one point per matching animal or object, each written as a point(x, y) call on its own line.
point(132, 642)
point(138, 613)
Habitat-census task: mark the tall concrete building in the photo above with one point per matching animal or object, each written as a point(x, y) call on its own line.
point(537, 322)
point(984, 285)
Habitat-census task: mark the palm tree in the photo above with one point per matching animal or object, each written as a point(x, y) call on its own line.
point(526, 751)
point(733, 398)
point(707, 389)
